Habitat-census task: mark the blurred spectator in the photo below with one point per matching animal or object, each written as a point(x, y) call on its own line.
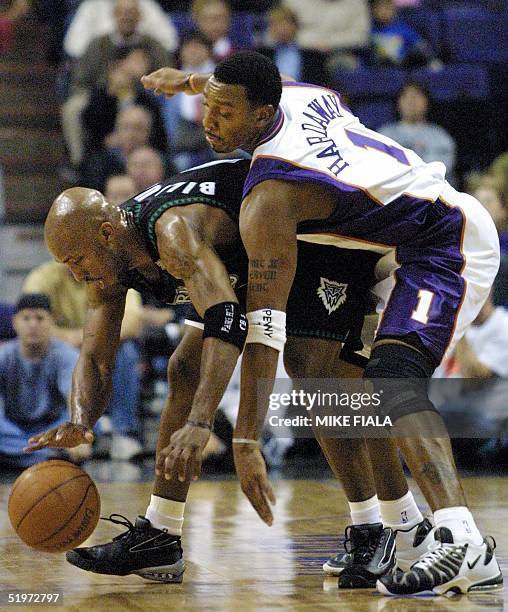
point(499, 169)
point(123, 88)
point(280, 44)
point(430, 141)
point(96, 18)
point(133, 129)
point(213, 20)
point(2, 196)
point(145, 166)
point(481, 360)
point(35, 382)
point(488, 192)
point(183, 114)
point(8, 18)
point(69, 306)
point(337, 28)
point(119, 189)
point(92, 69)
point(392, 41)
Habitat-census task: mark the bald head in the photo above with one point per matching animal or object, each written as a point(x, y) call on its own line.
point(75, 218)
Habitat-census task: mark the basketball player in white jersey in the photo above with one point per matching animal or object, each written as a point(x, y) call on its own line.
point(319, 175)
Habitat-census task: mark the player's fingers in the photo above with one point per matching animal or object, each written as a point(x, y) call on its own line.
point(182, 463)
point(264, 510)
point(196, 465)
point(159, 461)
point(258, 501)
point(268, 491)
point(169, 464)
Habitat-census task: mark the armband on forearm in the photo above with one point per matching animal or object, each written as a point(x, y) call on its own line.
point(267, 326)
point(227, 322)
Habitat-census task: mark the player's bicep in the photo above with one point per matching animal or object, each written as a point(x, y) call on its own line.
point(186, 254)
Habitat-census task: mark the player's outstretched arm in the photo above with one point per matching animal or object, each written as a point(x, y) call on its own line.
point(268, 230)
point(171, 81)
point(186, 254)
point(91, 381)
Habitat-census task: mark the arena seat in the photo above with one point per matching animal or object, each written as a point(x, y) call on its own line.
point(428, 23)
point(475, 34)
point(370, 81)
point(454, 81)
point(375, 114)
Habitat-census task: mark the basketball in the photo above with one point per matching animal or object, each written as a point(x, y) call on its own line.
point(54, 506)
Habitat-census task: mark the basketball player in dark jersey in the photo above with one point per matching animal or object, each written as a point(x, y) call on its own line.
point(187, 228)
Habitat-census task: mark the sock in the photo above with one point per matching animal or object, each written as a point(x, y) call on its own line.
point(460, 522)
point(166, 514)
point(402, 513)
point(365, 511)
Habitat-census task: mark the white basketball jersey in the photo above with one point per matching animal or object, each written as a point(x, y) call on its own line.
point(316, 133)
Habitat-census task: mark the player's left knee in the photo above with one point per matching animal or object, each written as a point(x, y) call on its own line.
point(402, 373)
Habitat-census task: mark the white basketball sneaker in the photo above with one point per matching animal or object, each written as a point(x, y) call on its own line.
point(459, 568)
point(413, 543)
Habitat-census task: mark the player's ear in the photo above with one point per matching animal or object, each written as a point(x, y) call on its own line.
point(264, 113)
point(106, 231)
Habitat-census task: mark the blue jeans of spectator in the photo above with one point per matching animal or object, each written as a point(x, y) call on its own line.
point(123, 407)
point(14, 438)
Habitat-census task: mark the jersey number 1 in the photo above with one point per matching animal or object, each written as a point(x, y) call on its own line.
point(421, 312)
point(360, 140)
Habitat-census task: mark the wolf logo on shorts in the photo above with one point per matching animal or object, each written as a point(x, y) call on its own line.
point(332, 294)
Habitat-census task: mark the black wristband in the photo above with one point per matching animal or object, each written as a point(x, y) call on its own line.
point(227, 322)
point(201, 424)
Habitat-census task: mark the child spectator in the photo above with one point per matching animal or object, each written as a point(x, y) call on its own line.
point(392, 41)
point(430, 141)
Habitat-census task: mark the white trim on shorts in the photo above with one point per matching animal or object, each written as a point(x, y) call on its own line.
point(191, 323)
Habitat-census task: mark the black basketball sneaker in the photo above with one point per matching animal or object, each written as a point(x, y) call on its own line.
point(143, 550)
point(338, 563)
point(459, 568)
point(372, 550)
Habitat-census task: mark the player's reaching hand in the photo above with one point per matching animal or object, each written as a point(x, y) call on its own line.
point(251, 472)
point(183, 456)
point(67, 435)
point(168, 81)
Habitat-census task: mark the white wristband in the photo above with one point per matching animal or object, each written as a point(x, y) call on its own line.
point(267, 326)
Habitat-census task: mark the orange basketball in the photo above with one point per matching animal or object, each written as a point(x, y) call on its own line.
point(54, 506)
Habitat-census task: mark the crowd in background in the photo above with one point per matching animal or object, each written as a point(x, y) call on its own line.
point(120, 139)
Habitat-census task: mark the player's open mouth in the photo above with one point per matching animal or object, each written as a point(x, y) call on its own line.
point(212, 138)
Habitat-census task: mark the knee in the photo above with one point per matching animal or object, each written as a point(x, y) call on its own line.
point(402, 373)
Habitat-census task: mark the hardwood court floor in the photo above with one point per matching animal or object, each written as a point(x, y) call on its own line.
point(234, 562)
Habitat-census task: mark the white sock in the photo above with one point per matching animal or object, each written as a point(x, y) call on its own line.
point(365, 512)
point(460, 522)
point(166, 514)
point(402, 513)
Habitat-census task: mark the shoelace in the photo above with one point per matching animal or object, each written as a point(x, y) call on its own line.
point(132, 529)
point(436, 552)
point(363, 549)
